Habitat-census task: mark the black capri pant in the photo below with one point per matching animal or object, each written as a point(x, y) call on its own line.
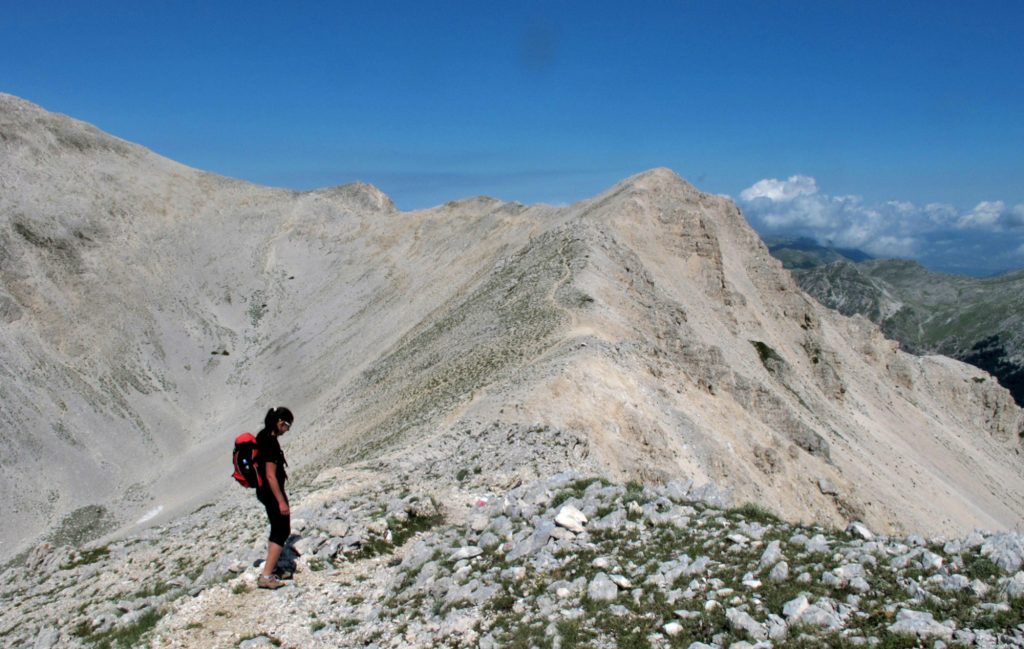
point(280, 524)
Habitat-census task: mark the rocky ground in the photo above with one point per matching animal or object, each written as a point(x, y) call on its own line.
point(560, 562)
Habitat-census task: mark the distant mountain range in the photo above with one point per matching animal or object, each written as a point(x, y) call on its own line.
point(975, 320)
point(803, 252)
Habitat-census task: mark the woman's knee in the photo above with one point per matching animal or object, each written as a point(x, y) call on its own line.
point(280, 529)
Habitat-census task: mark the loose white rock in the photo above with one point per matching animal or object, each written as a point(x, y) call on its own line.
point(571, 519)
point(860, 529)
point(602, 588)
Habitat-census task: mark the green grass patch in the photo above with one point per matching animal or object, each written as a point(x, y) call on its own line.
point(86, 557)
point(753, 512)
point(634, 489)
point(374, 547)
point(1002, 619)
point(977, 566)
point(401, 531)
point(128, 636)
point(810, 640)
point(576, 489)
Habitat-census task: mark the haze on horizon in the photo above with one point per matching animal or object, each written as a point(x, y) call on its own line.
point(896, 130)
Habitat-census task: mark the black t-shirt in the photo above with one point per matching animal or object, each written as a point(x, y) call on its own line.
point(270, 451)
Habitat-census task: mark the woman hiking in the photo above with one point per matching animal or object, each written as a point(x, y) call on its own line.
point(271, 492)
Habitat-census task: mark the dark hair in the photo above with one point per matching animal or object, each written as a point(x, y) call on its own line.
point(275, 415)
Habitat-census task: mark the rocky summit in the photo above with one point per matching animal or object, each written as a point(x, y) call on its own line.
point(459, 374)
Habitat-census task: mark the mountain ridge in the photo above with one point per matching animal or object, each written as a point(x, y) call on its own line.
point(804, 252)
point(648, 325)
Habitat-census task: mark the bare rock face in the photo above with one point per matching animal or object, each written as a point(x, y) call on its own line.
point(151, 312)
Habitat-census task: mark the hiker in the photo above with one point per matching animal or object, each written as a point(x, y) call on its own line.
point(271, 492)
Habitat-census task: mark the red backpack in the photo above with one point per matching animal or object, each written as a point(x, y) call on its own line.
point(244, 459)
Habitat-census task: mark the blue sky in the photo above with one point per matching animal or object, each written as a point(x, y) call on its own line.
point(887, 108)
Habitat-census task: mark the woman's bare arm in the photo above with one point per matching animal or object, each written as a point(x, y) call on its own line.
point(270, 468)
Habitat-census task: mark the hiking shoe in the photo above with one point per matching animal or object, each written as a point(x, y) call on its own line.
point(284, 573)
point(270, 582)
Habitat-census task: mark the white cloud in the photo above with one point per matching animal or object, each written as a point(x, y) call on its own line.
point(940, 213)
point(993, 215)
point(796, 204)
point(890, 246)
point(1015, 217)
point(984, 214)
point(903, 207)
point(896, 228)
point(780, 190)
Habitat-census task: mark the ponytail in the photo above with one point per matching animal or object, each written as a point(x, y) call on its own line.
point(275, 415)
